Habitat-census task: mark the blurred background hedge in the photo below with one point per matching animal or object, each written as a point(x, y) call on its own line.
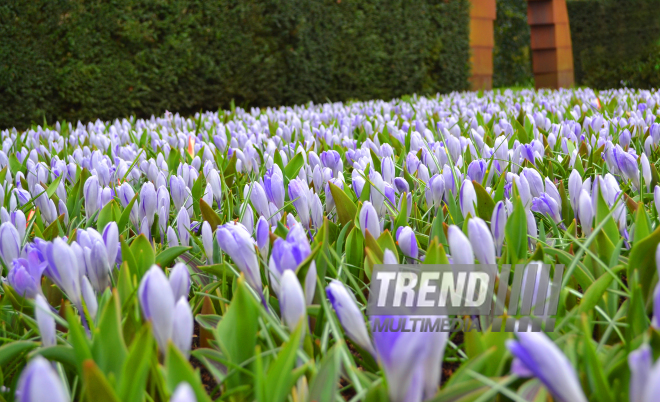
point(75, 59)
point(512, 62)
point(616, 43)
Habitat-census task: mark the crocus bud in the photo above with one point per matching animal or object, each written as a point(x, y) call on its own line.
point(183, 393)
point(111, 240)
point(482, 241)
point(459, 246)
point(126, 194)
point(298, 194)
point(45, 321)
point(157, 302)
point(148, 203)
point(437, 183)
point(310, 283)
point(368, 219)
point(389, 257)
point(180, 281)
point(183, 227)
point(91, 193)
point(216, 186)
point(585, 212)
point(349, 315)
point(10, 243)
point(292, 299)
point(183, 326)
point(401, 185)
point(235, 240)
point(274, 186)
point(523, 191)
point(259, 200)
point(640, 362)
point(574, 189)
point(656, 198)
point(89, 296)
point(39, 382)
point(316, 211)
point(646, 171)
point(468, 199)
point(537, 355)
point(535, 181)
point(262, 235)
point(25, 276)
point(17, 218)
point(407, 242)
point(207, 241)
point(178, 191)
point(63, 269)
point(497, 225)
point(172, 239)
point(546, 205)
point(96, 264)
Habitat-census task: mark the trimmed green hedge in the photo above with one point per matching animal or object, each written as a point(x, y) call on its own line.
point(615, 43)
point(82, 60)
point(512, 61)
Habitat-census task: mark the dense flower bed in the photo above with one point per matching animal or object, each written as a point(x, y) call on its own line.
point(135, 252)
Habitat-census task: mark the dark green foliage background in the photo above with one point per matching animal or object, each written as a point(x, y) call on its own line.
point(615, 43)
point(83, 60)
point(512, 62)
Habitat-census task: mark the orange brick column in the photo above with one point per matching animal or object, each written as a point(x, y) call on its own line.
point(482, 15)
point(552, 53)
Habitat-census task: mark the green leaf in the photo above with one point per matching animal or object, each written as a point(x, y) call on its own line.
point(642, 228)
point(485, 204)
point(166, 257)
point(179, 370)
point(126, 215)
point(173, 161)
point(594, 365)
point(60, 353)
point(108, 346)
point(143, 254)
point(402, 217)
point(516, 231)
point(385, 241)
point(595, 292)
point(197, 193)
point(279, 379)
point(346, 209)
point(77, 338)
point(376, 160)
point(133, 378)
point(355, 248)
point(642, 258)
point(323, 386)
point(294, 165)
point(602, 211)
point(435, 254)
point(209, 215)
point(96, 385)
point(237, 331)
point(107, 215)
point(10, 350)
point(52, 187)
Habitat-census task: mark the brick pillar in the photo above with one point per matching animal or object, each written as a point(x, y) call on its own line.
point(552, 53)
point(482, 15)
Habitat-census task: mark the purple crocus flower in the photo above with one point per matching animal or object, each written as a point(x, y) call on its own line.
point(574, 189)
point(148, 203)
point(292, 300)
point(63, 269)
point(349, 315)
point(10, 243)
point(546, 205)
point(180, 281)
point(497, 225)
point(235, 240)
point(401, 185)
point(25, 275)
point(368, 219)
point(216, 186)
point(91, 191)
point(182, 326)
point(536, 355)
point(468, 199)
point(274, 186)
point(459, 246)
point(157, 302)
point(183, 226)
point(535, 181)
point(45, 321)
point(258, 198)
point(39, 382)
point(640, 362)
point(183, 393)
point(476, 170)
point(299, 194)
point(482, 241)
point(586, 212)
point(627, 165)
point(287, 254)
point(405, 238)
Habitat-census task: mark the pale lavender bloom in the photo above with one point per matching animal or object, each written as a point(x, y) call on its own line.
point(298, 193)
point(63, 269)
point(89, 297)
point(91, 193)
point(368, 219)
point(497, 226)
point(407, 242)
point(96, 265)
point(574, 189)
point(482, 241)
point(646, 171)
point(207, 241)
point(585, 212)
point(552, 191)
point(627, 165)
point(10, 243)
point(145, 228)
point(180, 281)
point(310, 283)
point(401, 185)
point(523, 190)
point(148, 203)
point(258, 199)
point(274, 186)
point(387, 169)
point(45, 321)
point(172, 239)
point(216, 186)
point(468, 199)
point(652, 388)
point(437, 184)
point(287, 254)
point(17, 218)
point(535, 181)
point(535, 354)
point(546, 205)
point(39, 382)
point(178, 191)
point(389, 257)
point(316, 211)
point(157, 302)
point(292, 299)
point(459, 246)
point(183, 393)
point(235, 240)
point(182, 326)
point(639, 362)
point(25, 274)
point(656, 198)
point(349, 315)
point(126, 194)
point(476, 170)
point(183, 227)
